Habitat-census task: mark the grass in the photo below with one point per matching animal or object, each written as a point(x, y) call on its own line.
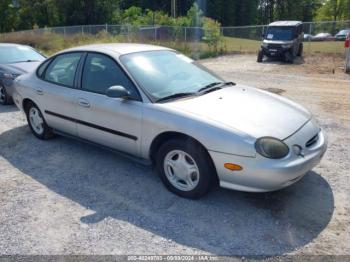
point(252, 46)
point(50, 43)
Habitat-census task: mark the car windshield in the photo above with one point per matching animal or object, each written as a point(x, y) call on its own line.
point(15, 54)
point(167, 73)
point(344, 32)
point(279, 33)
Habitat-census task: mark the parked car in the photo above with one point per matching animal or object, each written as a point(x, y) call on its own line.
point(161, 107)
point(323, 37)
point(282, 39)
point(14, 61)
point(341, 35)
point(308, 37)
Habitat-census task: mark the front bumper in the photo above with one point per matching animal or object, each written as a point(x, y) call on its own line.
point(275, 51)
point(260, 174)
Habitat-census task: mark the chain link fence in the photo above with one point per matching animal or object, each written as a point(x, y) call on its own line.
point(244, 39)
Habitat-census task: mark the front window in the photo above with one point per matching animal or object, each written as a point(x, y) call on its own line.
point(282, 33)
point(165, 73)
point(101, 72)
point(16, 54)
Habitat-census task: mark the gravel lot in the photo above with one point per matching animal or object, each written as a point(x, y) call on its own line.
point(62, 196)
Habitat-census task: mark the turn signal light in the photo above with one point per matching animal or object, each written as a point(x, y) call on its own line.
point(233, 167)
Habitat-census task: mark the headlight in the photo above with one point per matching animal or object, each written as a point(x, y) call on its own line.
point(271, 147)
point(265, 44)
point(10, 76)
point(287, 46)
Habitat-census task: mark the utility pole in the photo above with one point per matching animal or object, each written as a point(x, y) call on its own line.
point(173, 8)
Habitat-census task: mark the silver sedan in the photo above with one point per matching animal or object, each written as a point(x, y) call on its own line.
point(158, 106)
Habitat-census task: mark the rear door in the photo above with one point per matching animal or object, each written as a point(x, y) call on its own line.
point(112, 122)
point(57, 92)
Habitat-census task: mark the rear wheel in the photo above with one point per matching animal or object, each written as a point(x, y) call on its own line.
point(260, 56)
point(37, 122)
point(4, 97)
point(185, 168)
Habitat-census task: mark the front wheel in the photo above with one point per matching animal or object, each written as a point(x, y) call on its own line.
point(185, 168)
point(300, 51)
point(260, 56)
point(37, 122)
point(288, 57)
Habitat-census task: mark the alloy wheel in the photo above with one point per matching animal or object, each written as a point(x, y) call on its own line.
point(181, 170)
point(36, 120)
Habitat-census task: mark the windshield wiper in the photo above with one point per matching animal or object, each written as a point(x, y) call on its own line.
point(215, 86)
point(29, 60)
point(178, 95)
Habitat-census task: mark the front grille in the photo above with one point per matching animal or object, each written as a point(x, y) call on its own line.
point(312, 141)
point(274, 46)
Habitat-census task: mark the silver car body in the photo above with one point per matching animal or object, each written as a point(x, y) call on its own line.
point(226, 122)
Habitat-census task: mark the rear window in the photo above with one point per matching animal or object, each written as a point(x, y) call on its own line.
point(16, 54)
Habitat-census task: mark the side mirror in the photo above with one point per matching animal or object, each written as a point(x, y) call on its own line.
point(118, 92)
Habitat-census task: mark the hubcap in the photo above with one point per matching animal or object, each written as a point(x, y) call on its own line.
point(36, 120)
point(2, 94)
point(181, 170)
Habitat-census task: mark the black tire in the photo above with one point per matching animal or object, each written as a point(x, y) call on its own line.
point(207, 172)
point(260, 56)
point(288, 57)
point(47, 131)
point(300, 51)
point(5, 99)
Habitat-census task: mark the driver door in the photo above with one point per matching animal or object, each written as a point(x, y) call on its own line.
point(112, 122)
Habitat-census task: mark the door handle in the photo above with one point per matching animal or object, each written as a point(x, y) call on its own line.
point(39, 91)
point(83, 102)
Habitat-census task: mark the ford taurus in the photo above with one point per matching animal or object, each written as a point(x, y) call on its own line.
point(161, 107)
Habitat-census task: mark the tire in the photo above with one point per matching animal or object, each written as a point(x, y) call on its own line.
point(289, 58)
point(5, 99)
point(300, 51)
point(195, 161)
point(260, 57)
point(37, 123)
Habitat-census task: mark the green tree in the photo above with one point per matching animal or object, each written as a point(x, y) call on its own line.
point(8, 16)
point(334, 10)
point(195, 16)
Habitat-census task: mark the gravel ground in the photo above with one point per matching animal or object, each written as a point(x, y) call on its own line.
point(65, 197)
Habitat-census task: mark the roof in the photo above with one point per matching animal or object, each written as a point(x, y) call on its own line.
point(285, 23)
point(10, 44)
point(120, 48)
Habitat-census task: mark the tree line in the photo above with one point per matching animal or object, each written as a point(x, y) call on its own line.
point(27, 14)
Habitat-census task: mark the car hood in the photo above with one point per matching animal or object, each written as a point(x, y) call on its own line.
point(278, 42)
point(21, 68)
point(252, 111)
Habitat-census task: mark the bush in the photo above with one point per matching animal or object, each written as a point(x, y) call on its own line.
point(212, 33)
point(44, 41)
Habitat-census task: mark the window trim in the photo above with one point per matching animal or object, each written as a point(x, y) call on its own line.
point(42, 77)
point(80, 84)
